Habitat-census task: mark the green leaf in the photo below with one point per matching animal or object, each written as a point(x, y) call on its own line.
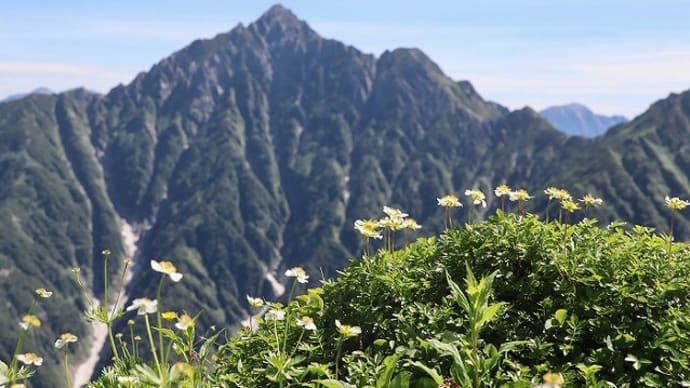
point(380, 342)
point(637, 363)
point(206, 347)
point(490, 313)
point(146, 374)
point(330, 383)
point(401, 380)
point(447, 349)
point(425, 382)
point(561, 315)
point(390, 362)
point(438, 380)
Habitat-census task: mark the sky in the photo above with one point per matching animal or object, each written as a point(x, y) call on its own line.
point(617, 57)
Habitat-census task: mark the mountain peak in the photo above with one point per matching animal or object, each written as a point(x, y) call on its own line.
point(279, 23)
point(578, 119)
point(278, 12)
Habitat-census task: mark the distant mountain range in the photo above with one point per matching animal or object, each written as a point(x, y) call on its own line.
point(578, 120)
point(245, 154)
point(22, 95)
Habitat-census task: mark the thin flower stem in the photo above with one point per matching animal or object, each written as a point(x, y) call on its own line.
point(105, 303)
point(388, 240)
point(131, 339)
point(158, 317)
point(83, 290)
point(337, 357)
point(251, 327)
point(105, 279)
point(299, 340)
point(66, 366)
point(548, 203)
point(287, 319)
point(503, 204)
point(119, 294)
point(275, 329)
point(152, 344)
point(112, 340)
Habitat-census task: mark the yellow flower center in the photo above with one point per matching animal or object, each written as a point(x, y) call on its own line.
point(31, 320)
point(68, 337)
point(168, 267)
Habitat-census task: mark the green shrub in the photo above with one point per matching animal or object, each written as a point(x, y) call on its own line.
point(597, 304)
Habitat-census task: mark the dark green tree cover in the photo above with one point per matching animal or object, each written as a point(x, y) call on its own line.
point(256, 150)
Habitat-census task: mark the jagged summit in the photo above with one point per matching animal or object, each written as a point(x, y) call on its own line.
point(279, 24)
point(278, 13)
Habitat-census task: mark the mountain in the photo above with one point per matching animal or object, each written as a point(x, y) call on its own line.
point(245, 154)
point(578, 120)
point(22, 95)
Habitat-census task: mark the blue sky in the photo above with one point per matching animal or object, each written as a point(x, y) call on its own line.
point(614, 56)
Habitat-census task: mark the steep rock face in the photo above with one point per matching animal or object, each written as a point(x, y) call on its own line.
point(54, 215)
point(577, 119)
point(248, 153)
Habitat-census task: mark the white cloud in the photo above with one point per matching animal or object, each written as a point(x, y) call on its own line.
point(183, 32)
point(57, 68)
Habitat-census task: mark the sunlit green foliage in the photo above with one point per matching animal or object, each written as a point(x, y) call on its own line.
point(596, 304)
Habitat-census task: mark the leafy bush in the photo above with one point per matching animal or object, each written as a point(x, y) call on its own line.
point(599, 305)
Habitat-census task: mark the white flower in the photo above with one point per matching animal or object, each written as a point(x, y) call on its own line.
point(275, 315)
point(255, 302)
point(128, 381)
point(394, 213)
point(556, 193)
point(30, 358)
point(391, 223)
point(64, 339)
point(144, 306)
point(43, 293)
point(167, 268)
point(409, 223)
point(676, 203)
point(307, 323)
point(28, 321)
point(449, 200)
point(299, 273)
point(478, 198)
point(502, 190)
point(520, 195)
point(184, 322)
point(590, 200)
point(367, 228)
point(347, 330)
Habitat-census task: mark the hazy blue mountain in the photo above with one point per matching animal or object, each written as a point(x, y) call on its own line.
point(578, 120)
